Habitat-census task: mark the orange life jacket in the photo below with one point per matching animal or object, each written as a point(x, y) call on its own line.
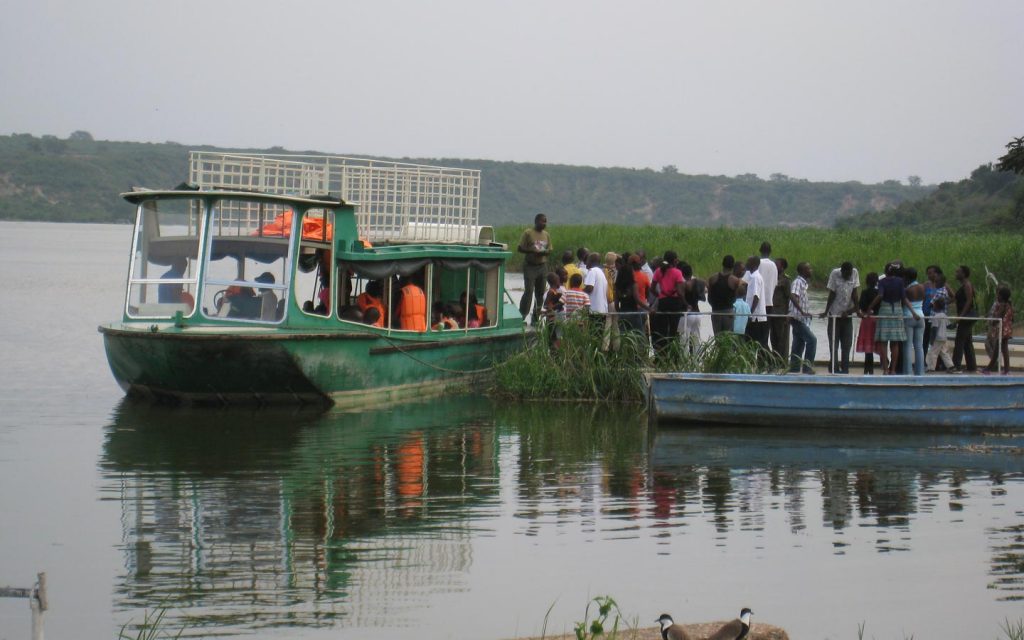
point(412, 310)
point(366, 301)
point(481, 314)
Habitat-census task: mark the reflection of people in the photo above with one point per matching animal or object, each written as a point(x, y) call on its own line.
point(412, 307)
point(172, 291)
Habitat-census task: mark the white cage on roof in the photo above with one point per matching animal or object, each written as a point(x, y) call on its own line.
point(394, 201)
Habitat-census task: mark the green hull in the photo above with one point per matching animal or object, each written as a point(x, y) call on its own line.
point(275, 366)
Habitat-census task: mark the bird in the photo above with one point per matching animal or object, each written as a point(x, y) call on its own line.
point(670, 630)
point(735, 630)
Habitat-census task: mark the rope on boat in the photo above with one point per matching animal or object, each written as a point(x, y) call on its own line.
point(399, 348)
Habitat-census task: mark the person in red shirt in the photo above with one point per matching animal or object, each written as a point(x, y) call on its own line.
point(670, 284)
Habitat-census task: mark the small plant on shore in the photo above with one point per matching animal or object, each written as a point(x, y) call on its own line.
point(588, 629)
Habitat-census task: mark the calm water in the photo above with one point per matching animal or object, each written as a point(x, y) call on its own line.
point(455, 518)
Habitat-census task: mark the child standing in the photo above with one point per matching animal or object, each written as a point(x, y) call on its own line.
point(553, 298)
point(1001, 308)
point(866, 337)
point(575, 297)
point(939, 347)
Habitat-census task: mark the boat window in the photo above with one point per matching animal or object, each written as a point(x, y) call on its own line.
point(246, 273)
point(467, 291)
point(460, 294)
point(379, 284)
point(312, 287)
point(165, 259)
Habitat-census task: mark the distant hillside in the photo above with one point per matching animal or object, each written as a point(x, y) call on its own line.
point(989, 199)
point(78, 179)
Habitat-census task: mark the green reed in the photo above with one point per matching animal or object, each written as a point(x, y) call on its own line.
point(153, 627)
point(581, 368)
point(824, 249)
point(1011, 630)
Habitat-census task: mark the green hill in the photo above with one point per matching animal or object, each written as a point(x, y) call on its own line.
point(78, 179)
point(988, 200)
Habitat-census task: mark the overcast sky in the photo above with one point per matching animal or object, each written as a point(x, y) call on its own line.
point(853, 90)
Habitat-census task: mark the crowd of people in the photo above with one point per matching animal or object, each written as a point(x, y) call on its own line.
point(904, 320)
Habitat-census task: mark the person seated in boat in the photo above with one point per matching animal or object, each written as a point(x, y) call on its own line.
point(351, 313)
point(477, 312)
point(238, 302)
point(443, 317)
point(372, 317)
point(268, 299)
point(172, 292)
point(323, 295)
point(412, 305)
point(372, 298)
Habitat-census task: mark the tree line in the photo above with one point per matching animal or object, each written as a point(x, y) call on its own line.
point(78, 179)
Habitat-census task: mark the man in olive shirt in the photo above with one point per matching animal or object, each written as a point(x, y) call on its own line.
point(536, 244)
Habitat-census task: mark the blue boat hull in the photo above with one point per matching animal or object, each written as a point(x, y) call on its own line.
point(842, 401)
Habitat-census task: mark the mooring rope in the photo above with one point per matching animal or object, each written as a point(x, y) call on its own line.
point(399, 348)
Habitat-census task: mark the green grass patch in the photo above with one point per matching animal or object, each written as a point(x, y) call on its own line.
point(578, 368)
point(825, 249)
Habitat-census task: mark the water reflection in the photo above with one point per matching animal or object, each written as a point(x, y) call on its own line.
point(242, 520)
point(280, 518)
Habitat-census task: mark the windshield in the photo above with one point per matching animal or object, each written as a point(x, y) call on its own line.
point(165, 254)
point(247, 249)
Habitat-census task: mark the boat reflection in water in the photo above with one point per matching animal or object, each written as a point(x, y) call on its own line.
point(275, 517)
point(238, 520)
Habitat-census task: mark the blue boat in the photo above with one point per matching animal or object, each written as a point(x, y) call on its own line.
point(957, 401)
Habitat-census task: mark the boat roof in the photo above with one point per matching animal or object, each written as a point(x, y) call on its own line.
point(139, 195)
point(385, 252)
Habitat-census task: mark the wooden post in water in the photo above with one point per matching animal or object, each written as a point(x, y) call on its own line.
point(37, 601)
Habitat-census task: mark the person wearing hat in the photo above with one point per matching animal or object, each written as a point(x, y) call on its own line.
point(535, 244)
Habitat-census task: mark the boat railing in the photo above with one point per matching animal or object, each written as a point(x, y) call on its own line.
point(827, 317)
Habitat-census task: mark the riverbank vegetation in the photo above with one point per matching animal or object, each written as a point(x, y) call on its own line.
point(988, 199)
point(825, 249)
point(577, 367)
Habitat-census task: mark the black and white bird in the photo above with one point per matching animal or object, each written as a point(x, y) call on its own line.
point(670, 630)
point(735, 630)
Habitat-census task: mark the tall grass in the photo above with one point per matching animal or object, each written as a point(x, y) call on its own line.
point(578, 368)
point(153, 627)
point(825, 249)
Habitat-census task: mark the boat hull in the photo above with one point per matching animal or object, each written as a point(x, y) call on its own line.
point(840, 401)
point(349, 370)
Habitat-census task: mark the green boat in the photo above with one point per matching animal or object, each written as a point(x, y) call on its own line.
point(244, 287)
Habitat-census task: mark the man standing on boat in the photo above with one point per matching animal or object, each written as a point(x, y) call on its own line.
point(842, 286)
point(804, 342)
point(536, 244)
point(757, 324)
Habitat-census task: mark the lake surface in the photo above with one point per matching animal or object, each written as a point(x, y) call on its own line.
point(460, 518)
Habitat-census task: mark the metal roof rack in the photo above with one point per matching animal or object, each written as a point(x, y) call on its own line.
point(394, 201)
